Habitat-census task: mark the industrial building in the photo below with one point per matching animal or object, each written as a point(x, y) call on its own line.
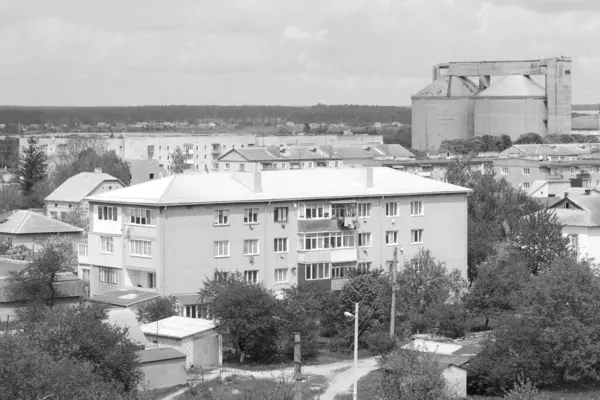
point(455, 107)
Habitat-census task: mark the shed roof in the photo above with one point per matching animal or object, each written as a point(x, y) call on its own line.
point(444, 87)
point(124, 298)
point(178, 327)
point(75, 188)
point(206, 188)
point(26, 222)
point(160, 354)
point(514, 86)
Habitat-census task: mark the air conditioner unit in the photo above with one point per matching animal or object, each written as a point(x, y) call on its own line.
point(251, 259)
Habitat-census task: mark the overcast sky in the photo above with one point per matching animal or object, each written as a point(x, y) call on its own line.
point(289, 52)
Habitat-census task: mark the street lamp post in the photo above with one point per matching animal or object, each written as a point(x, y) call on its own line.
point(355, 316)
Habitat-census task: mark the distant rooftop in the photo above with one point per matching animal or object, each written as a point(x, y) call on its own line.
point(315, 183)
point(26, 222)
point(446, 86)
point(74, 189)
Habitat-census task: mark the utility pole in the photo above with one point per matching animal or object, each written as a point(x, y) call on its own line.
point(354, 372)
point(393, 276)
point(298, 365)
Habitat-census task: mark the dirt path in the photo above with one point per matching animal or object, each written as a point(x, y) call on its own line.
point(341, 382)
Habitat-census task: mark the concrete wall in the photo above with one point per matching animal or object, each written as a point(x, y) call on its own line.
point(163, 374)
point(437, 119)
point(588, 239)
point(456, 379)
point(509, 116)
point(206, 350)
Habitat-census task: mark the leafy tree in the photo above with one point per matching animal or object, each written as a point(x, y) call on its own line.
point(529, 138)
point(10, 199)
point(156, 310)
point(37, 282)
point(88, 160)
point(77, 145)
point(32, 166)
point(80, 334)
point(178, 164)
point(78, 217)
point(306, 128)
point(551, 338)
point(539, 238)
point(297, 315)
point(244, 313)
point(506, 143)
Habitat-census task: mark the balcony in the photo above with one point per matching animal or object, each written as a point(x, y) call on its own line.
point(142, 281)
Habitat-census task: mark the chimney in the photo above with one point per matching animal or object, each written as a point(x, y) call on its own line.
point(566, 194)
point(257, 182)
point(369, 177)
point(97, 170)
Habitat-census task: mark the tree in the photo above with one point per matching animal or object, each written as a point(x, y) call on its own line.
point(36, 283)
point(80, 334)
point(78, 217)
point(552, 336)
point(10, 199)
point(32, 168)
point(77, 145)
point(178, 164)
point(156, 310)
point(297, 315)
point(506, 142)
point(244, 313)
point(539, 238)
point(306, 128)
point(529, 138)
point(88, 160)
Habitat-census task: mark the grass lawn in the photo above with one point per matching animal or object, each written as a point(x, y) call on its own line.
point(158, 394)
point(247, 388)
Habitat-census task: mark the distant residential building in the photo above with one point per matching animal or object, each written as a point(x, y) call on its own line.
point(550, 152)
point(145, 170)
point(278, 227)
point(73, 191)
point(435, 168)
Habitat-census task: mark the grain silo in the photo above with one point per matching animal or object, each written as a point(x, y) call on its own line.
point(514, 105)
point(442, 111)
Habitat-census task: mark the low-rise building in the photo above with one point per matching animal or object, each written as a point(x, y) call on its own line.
point(279, 227)
point(72, 192)
point(435, 168)
point(145, 170)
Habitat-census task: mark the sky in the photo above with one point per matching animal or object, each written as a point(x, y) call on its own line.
point(276, 52)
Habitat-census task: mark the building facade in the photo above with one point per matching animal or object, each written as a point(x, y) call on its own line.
point(278, 227)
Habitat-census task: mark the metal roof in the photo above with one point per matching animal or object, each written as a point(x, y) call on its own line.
point(178, 327)
point(280, 185)
point(514, 86)
point(124, 298)
point(75, 188)
point(25, 222)
point(443, 87)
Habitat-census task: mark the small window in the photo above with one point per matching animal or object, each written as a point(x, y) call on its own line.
point(82, 249)
point(251, 247)
point(281, 245)
point(108, 275)
point(391, 237)
point(364, 210)
point(364, 239)
point(106, 244)
point(221, 217)
point(316, 271)
point(151, 280)
point(526, 171)
point(251, 276)
point(215, 166)
point(416, 208)
point(525, 185)
point(251, 216)
point(141, 216)
point(107, 213)
point(140, 248)
point(504, 171)
point(221, 248)
point(227, 166)
point(281, 275)
point(416, 236)
point(391, 209)
point(364, 267)
point(281, 214)
point(242, 167)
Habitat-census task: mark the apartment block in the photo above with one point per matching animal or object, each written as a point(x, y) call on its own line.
point(281, 228)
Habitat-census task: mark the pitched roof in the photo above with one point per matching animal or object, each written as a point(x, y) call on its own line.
point(559, 149)
point(178, 327)
point(443, 87)
point(314, 183)
point(77, 187)
point(587, 215)
point(514, 86)
point(25, 222)
point(160, 354)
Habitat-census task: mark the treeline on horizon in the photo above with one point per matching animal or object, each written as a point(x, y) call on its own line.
point(265, 115)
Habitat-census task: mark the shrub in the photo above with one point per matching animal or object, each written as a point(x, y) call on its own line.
point(379, 343)
point(525, 390)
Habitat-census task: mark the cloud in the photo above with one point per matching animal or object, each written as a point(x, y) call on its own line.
point(68, 52)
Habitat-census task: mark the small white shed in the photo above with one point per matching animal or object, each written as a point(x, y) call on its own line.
point(196, 338)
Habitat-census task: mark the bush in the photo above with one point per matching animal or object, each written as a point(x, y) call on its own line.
point(525, 390)
point(447, 320)
point(380, 343)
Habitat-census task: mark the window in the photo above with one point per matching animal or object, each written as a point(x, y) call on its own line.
point(314, 211)
point(281, 214)
point(215, 166)
point(251, 247)
point(364, 266)
point(141, 216)
point(201, 311)
point(251, 216)
point(341, 270)
point(107, 213)
point(345, 239)
point(281, 275)
point(281, 245)
point(85, 274)
point(525, 185)
point(221, 217)
point(317, 271)
point(364, 239)
point(574, 242)
point(416, 236)
point(343, 210)
point(504, 170)
point(242, 167)
point(106, 244)
point(251, 276)
point(222, 248)
point(141, 248)
point(313, 241)
point(391, 209)
point(227, 166)
point(526, 171)
point(151, 280)
point(6, 241)
point(63, 215)
point(391, 237)
point(54, 215)
point(416, 207)
point(364, 210)
point(82, 249)
point(108, 275)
